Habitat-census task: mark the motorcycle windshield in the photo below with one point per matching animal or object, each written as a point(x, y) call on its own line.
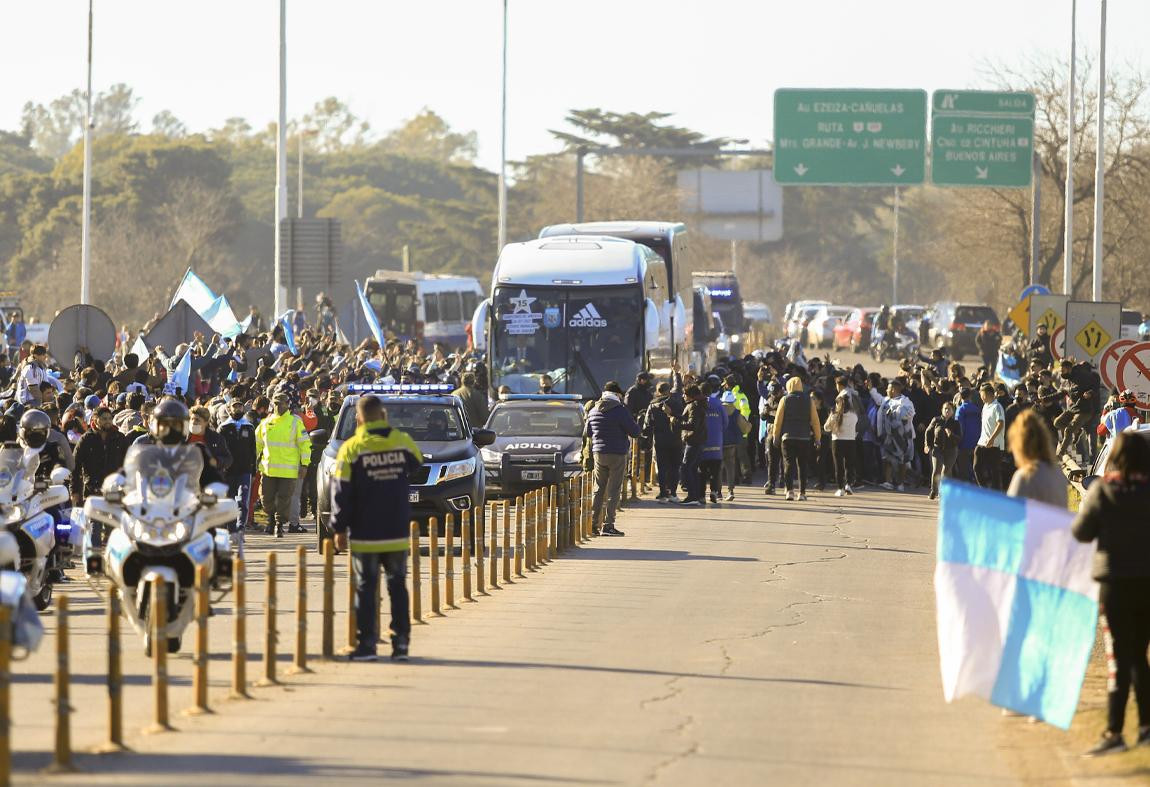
point(161, 474)
point(15, 468)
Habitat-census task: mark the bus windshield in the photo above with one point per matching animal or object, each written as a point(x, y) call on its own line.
point(581, 337)
point(394, 305)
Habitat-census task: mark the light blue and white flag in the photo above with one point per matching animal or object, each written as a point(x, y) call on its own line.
point(139, 348)
point(370, 316)
point(193, 290)
point(222, 319)
point(289, 330)
point(1017, 608)
point(181, 376)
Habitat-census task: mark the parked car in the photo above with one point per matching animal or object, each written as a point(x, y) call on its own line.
point(820, 331)
point(797, 327)
point(953, 326)
point(792, 325)
point(855, 331)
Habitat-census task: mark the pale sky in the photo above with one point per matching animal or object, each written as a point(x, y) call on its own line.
point(714, 63)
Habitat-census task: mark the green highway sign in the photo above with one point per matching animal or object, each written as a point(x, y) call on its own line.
point(981, 138)
point(850, 137)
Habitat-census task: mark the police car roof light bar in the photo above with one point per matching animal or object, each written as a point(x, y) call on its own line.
point(433, 389)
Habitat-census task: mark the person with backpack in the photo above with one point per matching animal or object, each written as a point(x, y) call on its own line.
point(796, 428)
point(659, 430)
point(734, 438)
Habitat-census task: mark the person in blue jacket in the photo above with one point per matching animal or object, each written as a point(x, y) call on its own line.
point(610, 428)
point(969, 417)
point(711, 465)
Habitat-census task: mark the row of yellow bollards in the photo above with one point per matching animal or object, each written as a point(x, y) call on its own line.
point(538, 527)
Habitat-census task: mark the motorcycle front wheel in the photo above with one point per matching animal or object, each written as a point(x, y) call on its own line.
point(43, 599)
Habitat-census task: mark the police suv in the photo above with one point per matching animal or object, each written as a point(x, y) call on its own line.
point(539, 439)
point(451, 479)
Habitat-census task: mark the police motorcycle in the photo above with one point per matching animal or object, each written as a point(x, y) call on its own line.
point(162, 526)
point(29, 508)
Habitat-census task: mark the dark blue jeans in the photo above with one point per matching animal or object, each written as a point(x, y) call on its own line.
point(240, 488)
point(367, 565)
point(692, 480)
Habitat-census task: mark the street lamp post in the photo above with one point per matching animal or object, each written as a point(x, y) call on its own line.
point(281, 296)
point(1068, 242)
point(502, 233)
point(86, 217)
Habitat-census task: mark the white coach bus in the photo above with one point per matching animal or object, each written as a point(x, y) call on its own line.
point(581, 309)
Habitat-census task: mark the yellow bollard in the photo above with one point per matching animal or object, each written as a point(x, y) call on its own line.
point(480, 535)
point(200, 656)
point(553, 518)
point(352, 631)
point(416, 600)
point(240, 637)
point(520, 512)
point(433, 553)
point(506, 542)
point(465, 540)
point(5, 695)
point(62, 755)
point(115, 742)
point(327, 647)
point(159, 604)
point(495, 547)
point(530, 530)
point(449, 558)
point(299, 663)
point(270, 638)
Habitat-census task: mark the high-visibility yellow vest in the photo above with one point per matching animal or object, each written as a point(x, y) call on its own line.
point(282, 446)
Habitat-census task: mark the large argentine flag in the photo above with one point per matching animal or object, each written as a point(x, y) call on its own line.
point(1017, 608)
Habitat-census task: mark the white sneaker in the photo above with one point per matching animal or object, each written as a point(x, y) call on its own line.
point(674, 498)
point(901, 488)
point(730, 496)
point(887, 485)
point(802, 498)
point(788, 496)
point(839, 493)
point(849, 491)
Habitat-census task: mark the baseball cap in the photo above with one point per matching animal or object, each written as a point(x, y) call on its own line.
point(728, 397)
point(92, 401)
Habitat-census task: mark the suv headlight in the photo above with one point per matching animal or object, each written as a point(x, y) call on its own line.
point(460, 469)
point(489, 456)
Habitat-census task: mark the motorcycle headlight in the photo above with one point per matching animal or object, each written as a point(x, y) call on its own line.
point(735, 338)
point(460, 469)
point(489, 456)
point(574, 457)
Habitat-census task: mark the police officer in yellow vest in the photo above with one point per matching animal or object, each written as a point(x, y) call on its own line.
point(283, 451)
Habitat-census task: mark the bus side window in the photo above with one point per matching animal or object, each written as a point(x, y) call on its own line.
point(449, 310)
point(470, 303)
point(430, 307)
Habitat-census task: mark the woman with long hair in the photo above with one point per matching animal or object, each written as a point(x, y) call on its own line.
point(1038, 476)
point(1113, 512)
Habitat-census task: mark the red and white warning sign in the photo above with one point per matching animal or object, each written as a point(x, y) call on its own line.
point(1108, 361)
point(1058, 342)
point(1133, 372)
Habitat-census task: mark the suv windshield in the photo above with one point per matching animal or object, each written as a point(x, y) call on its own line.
point(424, 421)
point(517, 420)
point(975, 314)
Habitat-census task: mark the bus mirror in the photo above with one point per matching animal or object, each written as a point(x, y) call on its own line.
point(652, 326)
point(479, 325)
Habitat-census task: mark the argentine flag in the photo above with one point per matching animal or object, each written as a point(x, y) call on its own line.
point(180, 379)
point(1017, 608)
point(370, 316)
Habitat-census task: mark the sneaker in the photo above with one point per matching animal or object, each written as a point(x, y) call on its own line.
point(839, 493)
point(932, 495)
point(768, 490)
point(730, 495)
point(363, 653)
point(611, 530)
point(714, 498)
point(1109, 743)
point(901, 488)
point(399, 650)
point(887, 485)
point(297, 529)
point(661, 499)
point(689, 502)
point(802, 497)
point(849, 490)
point(789, 495)
point(673, 498)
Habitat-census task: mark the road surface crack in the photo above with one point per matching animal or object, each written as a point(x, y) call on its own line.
point(672, 690)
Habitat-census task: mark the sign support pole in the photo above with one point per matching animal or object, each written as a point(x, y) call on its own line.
point(894, 255)
point(1068, 243)
point(1099, 161)
point(1035, 218)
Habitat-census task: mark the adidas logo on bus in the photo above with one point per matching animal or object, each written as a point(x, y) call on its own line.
point(587, 317)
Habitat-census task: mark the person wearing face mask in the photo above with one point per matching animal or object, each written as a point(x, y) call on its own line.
point(219, 456)
point(240, 436)
point(282, 449)
point(99, 453)
point(170, 426)
point(37, 436)
point(317, 416)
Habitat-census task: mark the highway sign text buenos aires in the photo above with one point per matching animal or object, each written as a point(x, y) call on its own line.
point(980, 138)
point(850, 137)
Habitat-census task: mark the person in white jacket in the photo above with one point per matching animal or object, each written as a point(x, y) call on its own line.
point(842, 426)
point(895, 432)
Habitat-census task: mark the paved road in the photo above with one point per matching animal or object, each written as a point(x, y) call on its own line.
point(760, 642)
